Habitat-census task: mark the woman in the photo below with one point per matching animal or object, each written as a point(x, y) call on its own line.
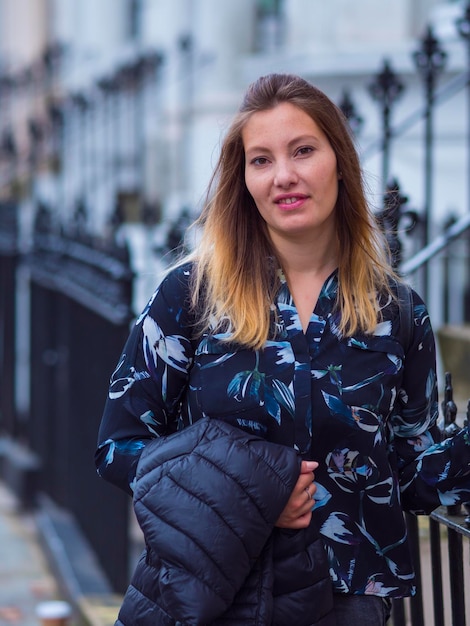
point(284, 324)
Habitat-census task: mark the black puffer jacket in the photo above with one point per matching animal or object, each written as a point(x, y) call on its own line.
point(207, 499)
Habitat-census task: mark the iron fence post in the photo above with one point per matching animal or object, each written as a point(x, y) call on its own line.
point(386, 88)
point(436, 562)
point(429, 60)
point(463, 28)
point(348, 108)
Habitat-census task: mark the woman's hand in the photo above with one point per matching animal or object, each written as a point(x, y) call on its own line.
point(298, 510)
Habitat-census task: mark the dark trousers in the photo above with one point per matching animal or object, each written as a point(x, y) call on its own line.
point(361, 610)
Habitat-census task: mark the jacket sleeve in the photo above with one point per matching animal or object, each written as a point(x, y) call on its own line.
point(207, 499)
point(146, 387)
point(431, 472)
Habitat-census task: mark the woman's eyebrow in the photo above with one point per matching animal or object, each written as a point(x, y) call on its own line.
point(292, 142)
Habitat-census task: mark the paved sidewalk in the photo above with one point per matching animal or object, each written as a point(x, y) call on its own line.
point(25, 577)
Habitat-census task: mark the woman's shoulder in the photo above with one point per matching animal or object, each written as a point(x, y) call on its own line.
point(405, 310)
point(176, 281)
point(172, 292)
point(179, 274)
point(400, 291)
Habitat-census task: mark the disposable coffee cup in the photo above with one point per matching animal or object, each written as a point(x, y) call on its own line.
point(54, 613)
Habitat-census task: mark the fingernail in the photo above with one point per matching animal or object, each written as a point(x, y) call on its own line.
point(312, 465)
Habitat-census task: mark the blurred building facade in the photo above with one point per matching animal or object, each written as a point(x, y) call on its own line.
point(112, 111)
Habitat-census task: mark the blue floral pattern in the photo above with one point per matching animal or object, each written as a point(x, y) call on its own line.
point(360, 406)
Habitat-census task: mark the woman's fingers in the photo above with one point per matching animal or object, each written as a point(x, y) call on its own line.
point(308, 466)
point(298, 510)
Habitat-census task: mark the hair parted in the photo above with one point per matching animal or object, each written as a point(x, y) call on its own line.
point(232, 267)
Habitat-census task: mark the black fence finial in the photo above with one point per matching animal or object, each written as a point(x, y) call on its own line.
point(449, 409)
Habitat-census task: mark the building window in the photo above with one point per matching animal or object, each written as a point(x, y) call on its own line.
point(269, 6)
point(269, 25)
point(134, 9)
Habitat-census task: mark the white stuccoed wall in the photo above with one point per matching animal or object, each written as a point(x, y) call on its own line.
point(198, 89)
point(23, 25)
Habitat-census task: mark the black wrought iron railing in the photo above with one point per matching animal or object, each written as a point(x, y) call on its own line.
point(440, 548)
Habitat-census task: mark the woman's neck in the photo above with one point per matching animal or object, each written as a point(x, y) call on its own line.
point(306, 267)
point(312, 257)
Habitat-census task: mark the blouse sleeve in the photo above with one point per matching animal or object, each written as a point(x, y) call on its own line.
point(431, 472)
point(146, 387)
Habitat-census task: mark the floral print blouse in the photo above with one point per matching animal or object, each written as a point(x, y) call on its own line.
point(358, 405)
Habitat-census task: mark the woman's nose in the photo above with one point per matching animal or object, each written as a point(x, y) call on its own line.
point(285, 174)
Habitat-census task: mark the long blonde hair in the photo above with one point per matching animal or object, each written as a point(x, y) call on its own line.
point(232, 267)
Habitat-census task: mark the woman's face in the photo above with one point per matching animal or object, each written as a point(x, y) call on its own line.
point(291, 173)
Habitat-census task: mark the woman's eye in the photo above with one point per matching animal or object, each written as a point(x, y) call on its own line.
point(304, 150)
point(259, 161)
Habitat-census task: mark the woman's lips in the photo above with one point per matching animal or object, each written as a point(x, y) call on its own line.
point(290, 202)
